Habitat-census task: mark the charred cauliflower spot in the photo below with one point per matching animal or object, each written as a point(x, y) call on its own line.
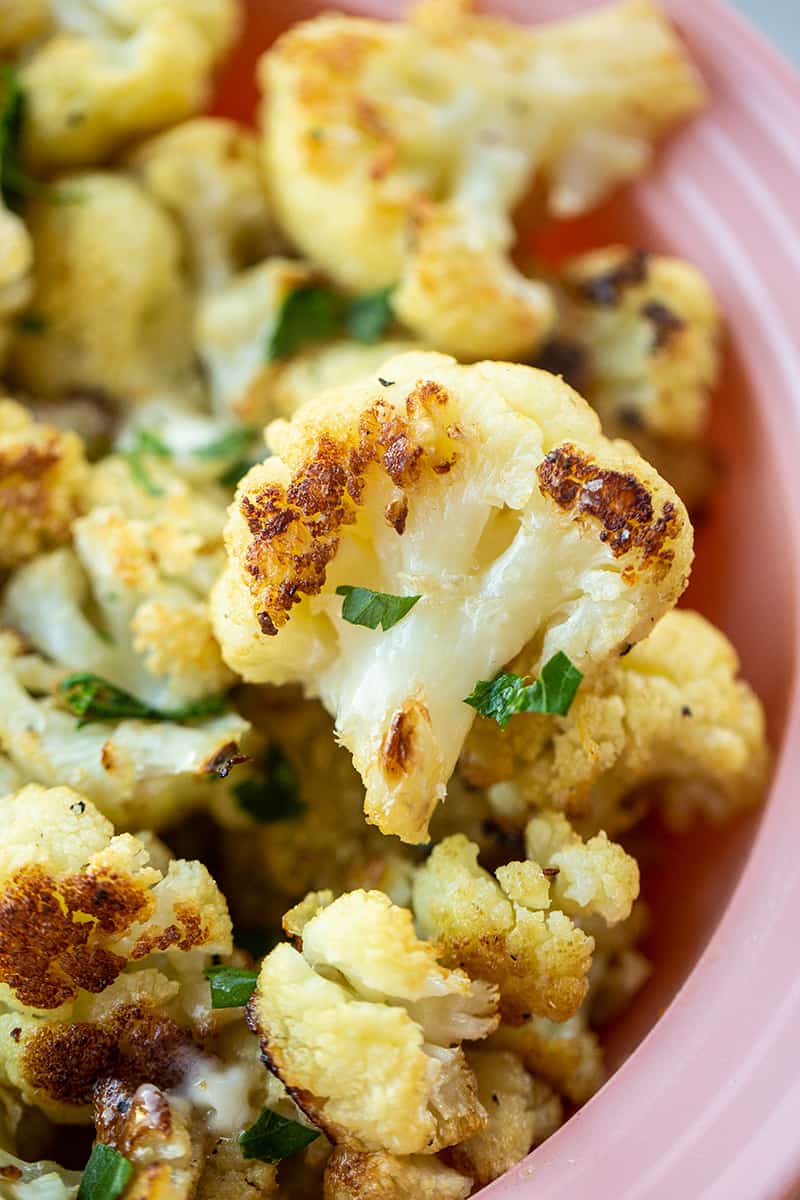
point(112, 73)
point(380, 1176)
point(397, 151)
point(364, 1027)
point(43, 477)
point(670, 722)
point(207, 173)
point(644, 333)
point(489, 492)
point(109, 289)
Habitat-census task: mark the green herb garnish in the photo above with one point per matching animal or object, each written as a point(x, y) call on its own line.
point(93, 698)
point(308, 314)
point(362, 606)
point(231, 987)
point(369, 316)
point(105, 1175)
point(507, 694)
point(146, 443)
point(228, 445)
point(274, 794)
point(16, 185)
point(273, 1137)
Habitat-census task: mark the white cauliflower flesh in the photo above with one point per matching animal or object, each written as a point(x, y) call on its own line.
point(503, 929)
point(118, 70)
point(36, 1180)
point(396, 152)
point(588, 878)
point(16, 276)
point(487, 491)
point(567, 1054)
point(138, 773)
point(128, 602)
point(95, 946)
point(207, 173)
point(232, 333)
point(380, 1176)
point(364, 1026)
point(522, 1112)
point(43, 478)
point(109, 293)
point(669, 721)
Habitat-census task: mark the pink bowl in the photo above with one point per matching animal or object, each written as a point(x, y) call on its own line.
point(706, 1096)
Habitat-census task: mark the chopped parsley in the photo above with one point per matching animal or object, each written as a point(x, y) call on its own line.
point(315, 313)
point(274, 794)
point(273, 1137)
point(507, 694)
point(16, 185)
point(231, 987)
point(369, 316)
point(146, 443)
point(362, 606)
point(308, 314)
point(93, 698)
point(105, 1175)
point(228, 445)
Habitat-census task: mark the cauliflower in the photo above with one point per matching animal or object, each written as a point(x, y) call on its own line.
point(232, 332)
point(364, 1027)
point(567, 1054)
point(119, 70)
point(95, 947)
point(380, 1176)
point(396, 152)
point(16, 276)
point(43, 477)
point(669, 720)
point(318, 368)
point(20, 22)
point(487, 491)
point(114, 308)
point(207, 173)
point(643, 333)
point(592, 877)
point(138, 773)
point(523, 1111)
point(131, 595)
point(36, 1180)
point(502, 929)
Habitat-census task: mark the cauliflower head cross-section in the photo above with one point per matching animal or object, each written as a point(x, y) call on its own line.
point(487, 491)
point(364, 1027)
point(397, 151)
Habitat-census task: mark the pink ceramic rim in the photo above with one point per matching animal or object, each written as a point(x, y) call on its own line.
point(708, 1104)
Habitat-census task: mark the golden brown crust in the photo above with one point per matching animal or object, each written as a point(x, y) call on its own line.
point(619, 502)
point(398, 751)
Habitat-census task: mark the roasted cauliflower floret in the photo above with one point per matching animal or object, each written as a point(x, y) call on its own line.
point(131, 595)
point(488, 492)
point(503, 929)
point(396, 152)
point(567, 1054)
point(380, 1176)
point(43, 478)
point(670, 721)
point(318, 368)
point(523, 1112)
point(16, 276)
point(21, 21)
point(639, 336)
point(207, 173)
point(363, 1026)
point(232, 333)
point(95, 946)
point(138, 773)
point(118, 71)
point(114, 308)
point(589, 878)
point(30, 1180)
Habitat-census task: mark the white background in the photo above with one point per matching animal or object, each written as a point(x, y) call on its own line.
point(778, 19)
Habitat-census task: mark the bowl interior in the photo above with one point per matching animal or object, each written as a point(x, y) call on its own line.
point(743, 578)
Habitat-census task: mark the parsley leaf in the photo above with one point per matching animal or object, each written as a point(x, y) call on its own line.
point(95, 699)
point(308, 314)
point(507, 694)
point(273, 795)
point(273, 1137)
point(362, 606)
point(369, 316)
point(231, 987)
point(228, 445)
point(13, 181)
point(105, 1175)
point(146, 442)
